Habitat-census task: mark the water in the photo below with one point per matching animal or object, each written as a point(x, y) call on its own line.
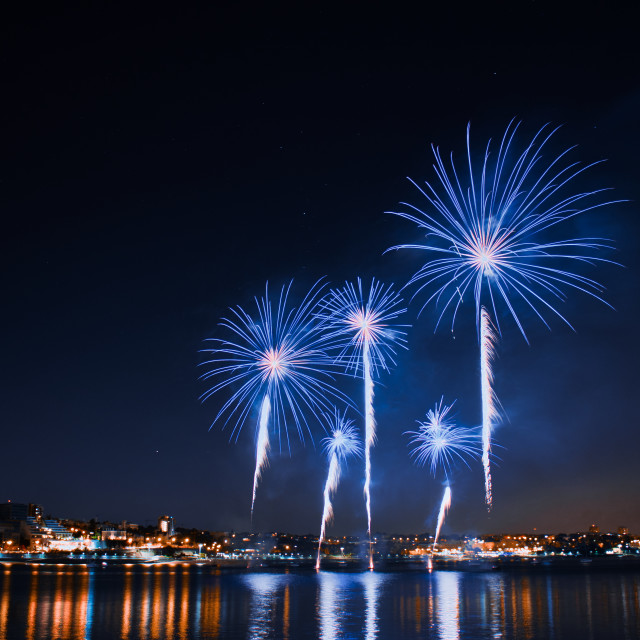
point(180, 602)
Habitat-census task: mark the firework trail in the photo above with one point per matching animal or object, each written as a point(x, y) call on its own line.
point(444, 507)
point(490, 240)
point(262, 446)
point(489, 409)
point(439, 443)
point(342, 443)
point(278, 358)
point(370, 438)
point(363, 326)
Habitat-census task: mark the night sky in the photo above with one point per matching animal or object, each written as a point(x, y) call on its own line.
point(157, 168)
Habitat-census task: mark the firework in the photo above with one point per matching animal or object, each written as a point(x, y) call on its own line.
point(278, 359)
point(364, 326)
point(489, 241)
point(439, 443)
point(342, 443)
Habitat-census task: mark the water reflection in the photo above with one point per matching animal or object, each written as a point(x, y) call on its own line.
point(188, 602)
point(550, 612)
point(33, 603)
point(329, 613)
point(88, 617)
point(211, 619)
point(496, 606)
point(447, 604)
point(371, 582)
point(263, 588)
point(589, 611)
point(127, 606)
point(4, 603)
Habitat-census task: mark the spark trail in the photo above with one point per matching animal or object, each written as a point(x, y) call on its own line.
point(342, 443)
point(489, 410)
point(370, 438)
point(333, 477)
point(444, 507)
point(363, 328)
point(262, 446)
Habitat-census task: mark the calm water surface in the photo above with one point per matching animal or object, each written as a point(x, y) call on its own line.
point(190, 602)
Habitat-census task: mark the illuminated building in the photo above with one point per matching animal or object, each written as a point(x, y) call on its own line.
point(24, 523)
point(165, 526)
point(113, 534)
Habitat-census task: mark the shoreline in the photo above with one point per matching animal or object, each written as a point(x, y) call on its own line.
point(351, 565)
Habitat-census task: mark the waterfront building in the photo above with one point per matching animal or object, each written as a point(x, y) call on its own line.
point(165, 526)
point(23, 524)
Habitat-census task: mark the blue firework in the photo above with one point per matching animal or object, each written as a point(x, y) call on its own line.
point(488, 235)
point(439, 442)
point(360, 321)
point(278, 354)
point(344, 440)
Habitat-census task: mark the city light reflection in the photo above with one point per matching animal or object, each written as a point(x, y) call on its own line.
point(157, 608)
point(286, 613)
point(171, 605)
point(4, 603)
point(145, 606)
point(152, 603)
point(184, 605)
point(212, 610)
point(127, 605)
point(88, 625)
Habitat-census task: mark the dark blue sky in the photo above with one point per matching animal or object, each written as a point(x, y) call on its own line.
point(157, 168)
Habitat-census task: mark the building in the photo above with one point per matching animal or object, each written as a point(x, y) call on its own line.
point(23, 524)
point(165, 526)
point(113, 534)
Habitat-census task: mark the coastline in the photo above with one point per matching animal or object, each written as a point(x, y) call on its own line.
point(355, 565)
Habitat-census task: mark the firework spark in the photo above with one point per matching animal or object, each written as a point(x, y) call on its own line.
point(365, 327)
point(489, 410)
point(342, 443)
point(262, 446)
point(439, 442)
point(444, 507)
point(278, 358)
point(490, 239)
